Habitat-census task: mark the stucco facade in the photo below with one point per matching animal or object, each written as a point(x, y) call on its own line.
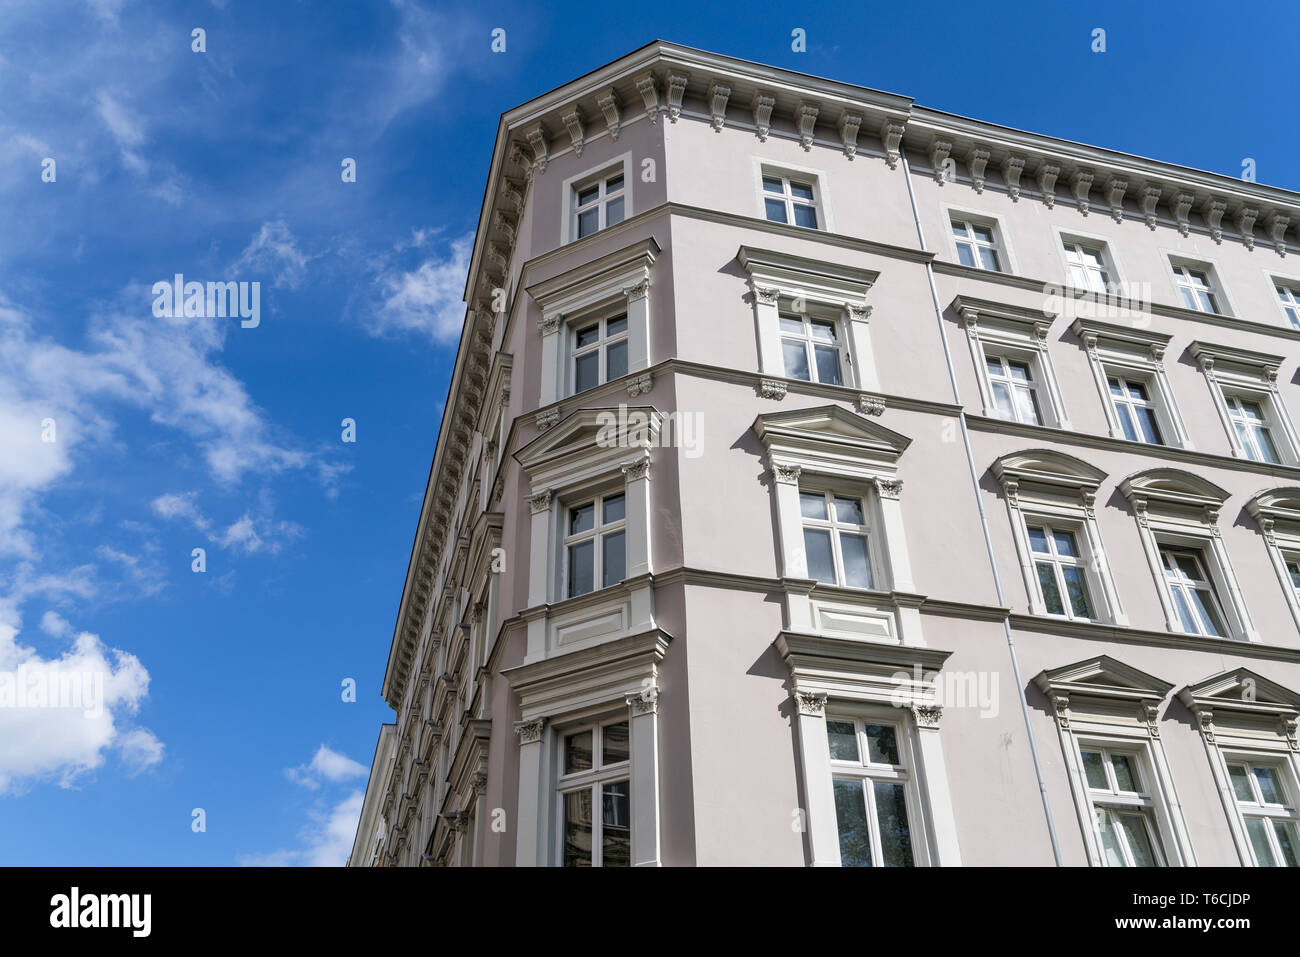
point(919, 596)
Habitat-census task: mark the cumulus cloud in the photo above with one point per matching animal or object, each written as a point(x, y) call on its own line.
point(427, 300)
point(326, 838)
point(328, 765)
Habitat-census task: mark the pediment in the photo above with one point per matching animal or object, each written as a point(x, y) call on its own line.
point(1048, 467)
point(580, 433)
point(828, 424)
point(1240, 690)
point(1102, 677)
point(1277, 505)
point(1173, 486)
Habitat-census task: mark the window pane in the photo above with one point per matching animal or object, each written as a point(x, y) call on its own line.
point(823, 331)
point(1065, 544)
point(965, 254)
point(577, 828)
point(989, 259)
point(1002, 400)
point(1125, 778)
point(851, 818)
point(1019, 371)
point(857, 566)
point(983, 233)
point(1139, 839)
point(1285, 832)
point(1266, 446)
point(796, 360)
point(616, 326)
point(958, 229)
point(588, 221)
point(1109, 840)
point(582, 518)
point(1150, 430)
point(891, 815)
point(1095, 770)
point(1259, 842)
point(817, 545)
point(577, 752)
point(1270, 791)
point(801, 190)
point(1210, 619)
point(613, 509)
point(581, 568)
point(792, 325)
point(882, 745)
point(614, 743)
point(775, 210)
point(1125, 416)
point(613, 559)
point(614, 211)
point(772, 185)
point(1038, 540)
point(616, 825)
point(805, 216)
point(1189, 297)
point(614, 184)
point(1051, 591)
point(586, 372)
point(586, 336)
point(588, 195)
point(1027, 403)
point(1185, 617)
point(848, 511)
point(616, 360)
point(828, 364)
point(1076, 586)
point(1241, 783)
point(843, 740)
point(812, 504)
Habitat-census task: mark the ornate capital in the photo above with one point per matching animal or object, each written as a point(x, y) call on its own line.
point(639, 385)
point(638, 290)
point(1151, 715)
point(767, 295)
point(1289, 731)
point(1088, 498)
point(539, 502)
point(530, 732)
point(927, 715)
point(811, 703)
point(478, 782)
point(645, 701)
point(889, 488)
point(549, 324)
point(639, 469)
point(857, 312)
point(772, 388)
point(1061, 706)
point(786, 474)
point(1206, 718)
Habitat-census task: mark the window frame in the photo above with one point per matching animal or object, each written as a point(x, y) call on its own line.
point(808, 318)
point(867, 530)
point(595, 174)
point(864, 771)
point(1289, 811)
point(1084, 561)
point(1114, 800)
point(1211, 583)
point(1114, 282)
point(604, 339)
point(1012, 332)
point(816, 178)
point(592, 780)
point(597, 534)
point(1180, 267)
point(1242, 375)
point(991, 221)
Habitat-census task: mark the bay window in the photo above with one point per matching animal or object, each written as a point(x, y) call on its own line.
point(595, 544)
point(599, 352)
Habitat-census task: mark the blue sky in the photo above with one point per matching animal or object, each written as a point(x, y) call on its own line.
point(223, 688)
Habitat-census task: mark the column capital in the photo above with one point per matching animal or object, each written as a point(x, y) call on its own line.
point(811, 704)
point(530, 732)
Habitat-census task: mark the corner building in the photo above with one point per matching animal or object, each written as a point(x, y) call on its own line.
point(954, 518)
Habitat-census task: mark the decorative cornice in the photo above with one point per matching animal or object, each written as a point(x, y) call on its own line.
point(645, 85)
point(609, 108)
point(1012, 167)
point(977, 161)
point(939, 153)
point(1047, 173)
point(805, 118)
point(1150, 199)
point(547, 419)
point(891, 135)
point(717, 98)
point(639, 385)
point(536, 136)
point(1213, 209)
point(786, 474)
point(676, 89)
point(927, 716)
point(1082, 183)
point(869, 404)
point(1115, 189)
point(572, 120)
point(848, 127)
point(640, 469)
point(646, 701)
point(1246, 225)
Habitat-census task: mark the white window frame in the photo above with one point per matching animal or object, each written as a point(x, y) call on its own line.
point(866, 773)
point(1114, 800)
point(1290, 302)
point(604, 339)
point(591, 781)
point(1133, 353)
point(1287, 812)
point(785, 171)
point(1180, 268)
point(1114, 283)
point(991, 221)
point(1058, 562)
point(1278, 513)
point(977, 246)
point(571, 186)
point(1189, 585)
point(1251, 376)
point(836, 528)
point(597, 535)
point(1242, 419)
point(1010, 332)
point(808, 318)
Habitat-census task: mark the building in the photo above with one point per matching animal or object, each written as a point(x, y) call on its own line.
point(826, 479)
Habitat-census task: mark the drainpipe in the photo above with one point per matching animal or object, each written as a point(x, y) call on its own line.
point(984, 520)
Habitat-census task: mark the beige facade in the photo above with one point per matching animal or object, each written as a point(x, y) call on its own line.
point(951, 520)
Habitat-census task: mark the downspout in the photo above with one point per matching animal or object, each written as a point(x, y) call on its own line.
point(984, 520)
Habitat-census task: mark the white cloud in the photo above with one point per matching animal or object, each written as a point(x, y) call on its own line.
point(331, 822)
point(127, 130)
point(180, 505)
point(52, 623)
point(428, 300)
point(64, 744)
point(274, 250)
point(327, 764)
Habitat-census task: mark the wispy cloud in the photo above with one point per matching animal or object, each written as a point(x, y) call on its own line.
point(274, 251)
point(427, 300)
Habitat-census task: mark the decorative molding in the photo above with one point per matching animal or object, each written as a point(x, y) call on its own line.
point(869, 404)
point(805, 120)
point(530, 732)
point(762, 105)
point(608, 103)
point(638, 290)
point(577, 132)
point(889, 488)
point(849, 125)
point(1277, 224)
point(1082, 182)
point(539, 502)
point(1150, 197)
point(858, 312)
point(940, 150)
point(1115, 189)
point(1181, 204)
point(649, 95)
point(786, 474)
point(676, 89)
point(478, 782)
point(767, 295)
point(891, 136)
point(811, 704)
point(772, 389)
point(639, 385)
point(978, 160)
point(1246, 225)
point(536, 136)
point(927, 715)
point(717, 96)
point(1047, 173)
point(645, 701)
point(639, 469)
point(1012, 167)
point(547, 419)
point(1213, 209)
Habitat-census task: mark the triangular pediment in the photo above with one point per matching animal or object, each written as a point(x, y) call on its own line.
point(1103, 677)
point(1240, 690)
point(587, 429)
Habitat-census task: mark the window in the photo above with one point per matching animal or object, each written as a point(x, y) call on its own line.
point(1293, 571)
point(976, 245)
point(595, 544)
point(1195, 287)
point(1015, 394)
point(1192, 592)
point(1250, 423)
point(1289, 297)
point(835, 536)
point(596, 797)
point(1268, 812)
point(1134, 409)
point(599, 352)
point(1122, 809)
point(810, 348)
point(1087, 266)
point(1062, 572)
point(870, 780)
point(598, 205)
point(790, 199)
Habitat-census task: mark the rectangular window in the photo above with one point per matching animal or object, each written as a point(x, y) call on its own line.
point(1196, 288)
point(1135, 409)
point(835, 537)
point(596, 797)
point(599, 352)
point(1289, 297)
point(870, 781)
point(1192, 591)
point(790, 199)
point(1293, 572)
point(1268, 812)
point(1122, 808)
point(1250, 422)
point(596, 544)
point(1087, 266)
point(1015, 392)
point(1061, 570)
point(598, 205)
point(810, 349)
point(976, 245)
